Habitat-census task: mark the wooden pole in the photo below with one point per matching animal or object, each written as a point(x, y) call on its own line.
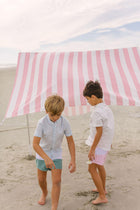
point(28, 128)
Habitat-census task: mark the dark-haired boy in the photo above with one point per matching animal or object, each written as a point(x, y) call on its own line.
point(100, 138)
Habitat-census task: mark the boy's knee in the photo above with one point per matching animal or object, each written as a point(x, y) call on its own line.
point(57, 182)
point(42, 179)
point(91, 168)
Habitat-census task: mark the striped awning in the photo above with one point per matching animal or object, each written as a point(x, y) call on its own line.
point(40, 75)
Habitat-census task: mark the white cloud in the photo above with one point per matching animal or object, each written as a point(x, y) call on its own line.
point(101, 43)
point(25, 24)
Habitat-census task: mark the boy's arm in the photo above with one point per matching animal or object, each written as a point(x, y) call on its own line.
point(71, 146)
point(48, 162)
point(99, 131)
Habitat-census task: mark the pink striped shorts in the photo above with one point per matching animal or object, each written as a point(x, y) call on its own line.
point(100, 156)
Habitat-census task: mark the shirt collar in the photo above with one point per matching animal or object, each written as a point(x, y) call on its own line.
point(53, 123)
point(100, 104)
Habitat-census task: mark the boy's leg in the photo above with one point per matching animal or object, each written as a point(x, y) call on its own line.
point(56, 186)
point(43, 185)
point(102, 174)
point(98, 182)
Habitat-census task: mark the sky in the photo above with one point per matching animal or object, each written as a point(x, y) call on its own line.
point(66, 25)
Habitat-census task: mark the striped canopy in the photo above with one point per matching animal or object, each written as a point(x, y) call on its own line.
point(40, 75)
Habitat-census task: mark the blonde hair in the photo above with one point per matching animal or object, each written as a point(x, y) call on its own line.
point(54, 104)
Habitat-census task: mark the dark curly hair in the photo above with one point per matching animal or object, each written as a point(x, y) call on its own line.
point(93, 88)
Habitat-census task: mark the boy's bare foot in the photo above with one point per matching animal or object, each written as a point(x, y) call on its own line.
point(99, 200)
point(95, 190)
point(42, 199)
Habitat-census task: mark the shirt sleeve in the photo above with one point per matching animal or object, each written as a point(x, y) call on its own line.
point(39, 130)
point(97, 120)
point(67, 128)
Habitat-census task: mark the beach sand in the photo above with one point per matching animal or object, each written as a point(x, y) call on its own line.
point(19, 188)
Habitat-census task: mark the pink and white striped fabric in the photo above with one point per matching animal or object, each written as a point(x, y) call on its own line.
point(39, 75)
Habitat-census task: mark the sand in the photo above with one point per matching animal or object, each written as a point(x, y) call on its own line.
point(19, 188)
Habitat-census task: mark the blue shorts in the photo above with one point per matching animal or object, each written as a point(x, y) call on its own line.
point(41, 164)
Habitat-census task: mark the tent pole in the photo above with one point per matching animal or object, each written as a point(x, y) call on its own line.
point(27, 120)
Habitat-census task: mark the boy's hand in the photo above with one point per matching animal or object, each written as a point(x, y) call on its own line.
point(91, 154)
point(72, 167)
point(49, 163)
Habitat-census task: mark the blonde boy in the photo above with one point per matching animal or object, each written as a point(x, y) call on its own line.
point(47, 144)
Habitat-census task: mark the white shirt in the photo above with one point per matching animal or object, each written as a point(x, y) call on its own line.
point(51, 134)
point(102, 116)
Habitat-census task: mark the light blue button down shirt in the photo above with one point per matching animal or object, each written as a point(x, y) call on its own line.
point(51, 134)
